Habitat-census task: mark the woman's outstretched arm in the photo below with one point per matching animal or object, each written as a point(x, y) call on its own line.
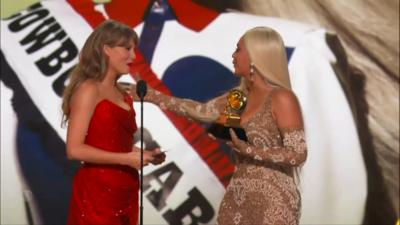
point(202, 112)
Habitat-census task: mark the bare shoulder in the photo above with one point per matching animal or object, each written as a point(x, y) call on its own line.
point(86, 92)
point(284, 98)
point(286, 108)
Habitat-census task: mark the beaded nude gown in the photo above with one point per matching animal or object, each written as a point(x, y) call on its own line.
point(262, 190)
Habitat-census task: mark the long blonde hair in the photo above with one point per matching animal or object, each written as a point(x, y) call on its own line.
point(268, 55)
point(93, 63)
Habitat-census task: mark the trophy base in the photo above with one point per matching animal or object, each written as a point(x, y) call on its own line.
point(232, 121)
point(222, 132)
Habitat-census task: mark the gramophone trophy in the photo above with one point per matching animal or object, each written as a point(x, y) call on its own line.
point(235, 104)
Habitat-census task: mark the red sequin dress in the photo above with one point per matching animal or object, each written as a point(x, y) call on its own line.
point(107, 194)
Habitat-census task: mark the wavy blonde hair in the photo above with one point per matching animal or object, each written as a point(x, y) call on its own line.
point(93, 63)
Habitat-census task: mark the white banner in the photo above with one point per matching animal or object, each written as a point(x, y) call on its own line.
point(334, 165)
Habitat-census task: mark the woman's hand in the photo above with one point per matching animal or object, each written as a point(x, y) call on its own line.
point(158, 156)
point(236, 144)
point(133, 159)
point(221, 119)
point(154, 157)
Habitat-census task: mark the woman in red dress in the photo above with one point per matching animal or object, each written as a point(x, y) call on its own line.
point(101, 125)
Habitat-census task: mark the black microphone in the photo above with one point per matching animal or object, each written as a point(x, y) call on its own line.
point(141, 89)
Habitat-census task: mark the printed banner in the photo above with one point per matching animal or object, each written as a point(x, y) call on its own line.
point(187, 55)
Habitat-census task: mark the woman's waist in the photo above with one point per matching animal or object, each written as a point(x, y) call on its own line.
point(115, 181)
point(261, 177)
point(260, 170)
point(243, 161)
point(110, 173)
point(108, 176)
point(108, 168)
point(110, 145)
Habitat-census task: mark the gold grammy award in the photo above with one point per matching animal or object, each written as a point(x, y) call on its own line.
point(235, 104)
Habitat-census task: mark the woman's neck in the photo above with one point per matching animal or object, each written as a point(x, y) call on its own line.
point(258, 86)
point(109, 81)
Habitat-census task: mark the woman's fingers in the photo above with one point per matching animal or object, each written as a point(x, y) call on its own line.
point(234, 137)
point(159, 156)
point(232, 145)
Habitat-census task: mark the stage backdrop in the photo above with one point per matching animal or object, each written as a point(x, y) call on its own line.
point(185, 50)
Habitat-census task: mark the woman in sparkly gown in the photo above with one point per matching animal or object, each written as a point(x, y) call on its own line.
point(263, 189)
point(101, 125)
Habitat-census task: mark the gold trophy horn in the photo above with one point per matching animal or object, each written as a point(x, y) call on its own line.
point(236, 102)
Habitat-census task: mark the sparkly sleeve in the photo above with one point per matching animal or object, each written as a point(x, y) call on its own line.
point(203, 112)
point(292, 153)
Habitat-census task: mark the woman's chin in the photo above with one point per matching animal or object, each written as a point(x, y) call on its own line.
point(237, 73)
point(123, 72)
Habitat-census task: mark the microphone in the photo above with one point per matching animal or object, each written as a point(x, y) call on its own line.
point(141, 89)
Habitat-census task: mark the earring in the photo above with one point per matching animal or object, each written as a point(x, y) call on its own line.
point(251, 71)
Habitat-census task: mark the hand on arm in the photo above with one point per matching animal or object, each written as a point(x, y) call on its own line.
point(289, 121)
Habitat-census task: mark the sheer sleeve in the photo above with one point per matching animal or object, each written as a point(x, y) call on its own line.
point(203, 112)
point(292, 153)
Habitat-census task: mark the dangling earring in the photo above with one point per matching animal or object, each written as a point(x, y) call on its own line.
point(251, 71)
